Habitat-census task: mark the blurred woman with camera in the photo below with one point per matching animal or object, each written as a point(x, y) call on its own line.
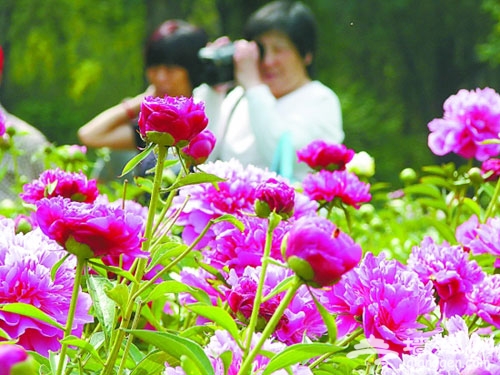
point(172, 68)
point(277, 107)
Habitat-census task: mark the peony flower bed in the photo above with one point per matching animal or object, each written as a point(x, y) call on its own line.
point(233, 270)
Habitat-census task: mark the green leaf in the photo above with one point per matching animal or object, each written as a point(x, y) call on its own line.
point(443, 228)
point(178, 347)
point(164, 253)
point(55, 267)
point(439, 204)
point(283, 286)
point(424, 189)
point(219, 316)
point(473, 206)
point(297, 353)
point(166, 287)
point(116, 270)
point(104, 307)
point(119, 294)
point(232, 219)
point(30, 311)
point(328, 318)
point(78, 342)
point(152, 364)
point(132, 163)
point(194, 179)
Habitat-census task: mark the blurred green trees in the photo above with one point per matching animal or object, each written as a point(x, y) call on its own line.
point(392, 63)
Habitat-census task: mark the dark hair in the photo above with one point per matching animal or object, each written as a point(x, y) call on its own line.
point(177, 42)
point(293, 18)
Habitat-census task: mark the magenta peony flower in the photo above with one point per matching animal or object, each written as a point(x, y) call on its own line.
point(325, 186)
point(319, 252)
point(3, 123)
point(171, 121)
point(320, 155)
point(235, 195)
point(457, 353)
point(274, 196)
point(486, 298)
point(470, 117)
point(384, 298)
point(59, 183)
point(454, 276)
point(199, 149)
point(15, 360)
point(490, 169)
point(26, 262)
point(91, 230)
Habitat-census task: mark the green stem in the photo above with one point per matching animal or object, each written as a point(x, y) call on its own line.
point(140, 262)
point(493, 203)
point(260, 287)
point(345, 342)
point(80, 266)
point(271, 325)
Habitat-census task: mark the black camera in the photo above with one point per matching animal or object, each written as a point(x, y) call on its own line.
point(217, 62)
point(218, 66)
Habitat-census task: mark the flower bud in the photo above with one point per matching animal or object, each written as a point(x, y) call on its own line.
point(274, 196)
point(318, 252)
point(199, 149)
point(320, 155)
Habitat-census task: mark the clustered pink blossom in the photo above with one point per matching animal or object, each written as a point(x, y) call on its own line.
point(199, 148)
point(235, 196)
point(221, 342)
point(486, 298)
point(325, 186)
point(470, 118)
point(318, 252)
point(384, 298)
point(59, 183)
point(91, 230)
point(171, 121)
point(456, 353)
point(26, 263)
point(320, 155)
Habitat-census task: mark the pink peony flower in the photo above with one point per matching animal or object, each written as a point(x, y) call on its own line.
point(10, 354)
point(384, 298)
point(171, 121)
point(59, 183)
point(453, 275)
point(199, 149)
point(91, 230)
point(26, 262)
point(320, 155)
point(490, 169)
point(487, 300)
point(319, 252)
point(274, 196)
point(3, 123)
point(470, 117)
point(235, 195)
point(325, 186)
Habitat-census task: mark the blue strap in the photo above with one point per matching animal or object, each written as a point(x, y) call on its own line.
point(284, 157)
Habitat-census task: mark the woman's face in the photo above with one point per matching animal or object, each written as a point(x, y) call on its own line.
point(171, 80)
point(282, 68)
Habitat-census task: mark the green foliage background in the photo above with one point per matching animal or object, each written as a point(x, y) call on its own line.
point(392, 63)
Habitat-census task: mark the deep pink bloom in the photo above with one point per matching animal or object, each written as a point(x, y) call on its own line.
point(59, 183)
point(320, 155)
point(93, 230)
point(10, 355)
point(325, 186)
point(319, 252)
point(470, 117)
point(235, 195)
point(26, 262)
point(199, 149)
point(384, 298)
point(481, 238)
point(452, 273)
point(3, 123)
point(171, 121)
point(274, 196)
point(490, 169)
